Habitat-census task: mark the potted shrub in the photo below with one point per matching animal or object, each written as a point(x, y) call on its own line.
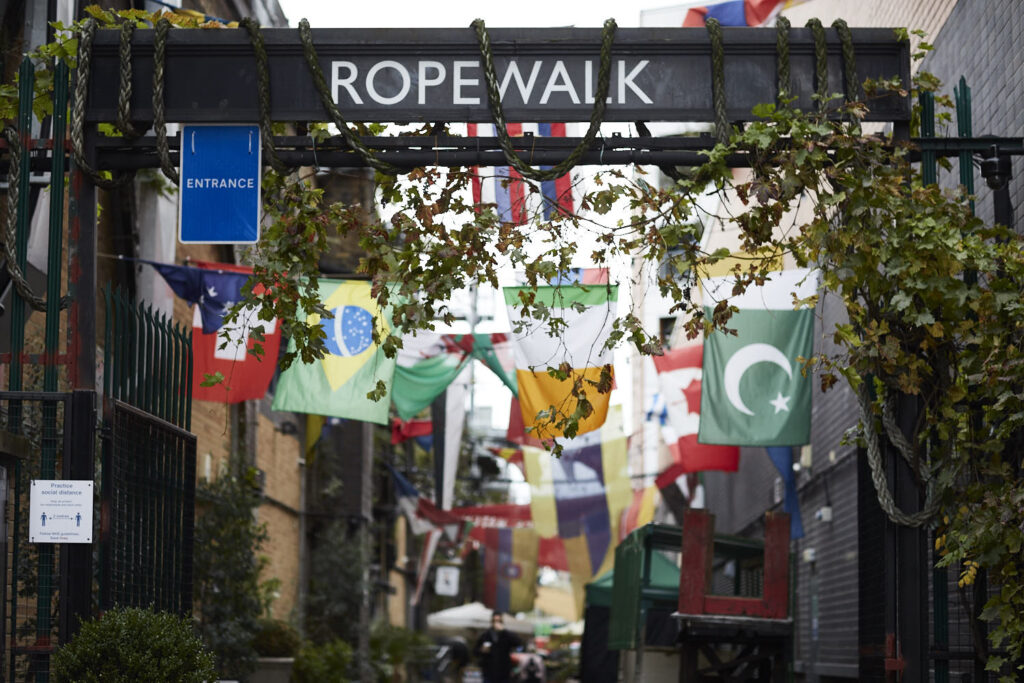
point(129, 644)
point(326, 663)
point(276, 643)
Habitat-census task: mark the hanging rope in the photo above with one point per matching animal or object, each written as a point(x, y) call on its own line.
point(78, 111)
point(849, 61)
point(498, 112)
point(163, 27)
point(263, 89)
point(10, 221)
point(722, 128)
point(353, 140)
point(877, 465)
point(782, 27)
point(820, 62)
point(124, 94)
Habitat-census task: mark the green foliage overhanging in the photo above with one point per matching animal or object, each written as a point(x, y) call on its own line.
point(932, 295)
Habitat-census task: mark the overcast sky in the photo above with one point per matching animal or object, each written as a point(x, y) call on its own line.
point(459, 13)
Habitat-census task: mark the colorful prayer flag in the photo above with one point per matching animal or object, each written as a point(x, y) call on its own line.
point(754, 390)
point(337, 385)
point(580, 496)
point(738, 12)
point(403, 430)
point(782, 458)
point(422, 515)
point(679, 375)
point(639, 512)
point(588, 313)
point(510, 569)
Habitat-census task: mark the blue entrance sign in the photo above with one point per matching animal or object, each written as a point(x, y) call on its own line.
point(219, 191)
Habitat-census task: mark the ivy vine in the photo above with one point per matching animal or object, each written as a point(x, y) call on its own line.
point(932, 295)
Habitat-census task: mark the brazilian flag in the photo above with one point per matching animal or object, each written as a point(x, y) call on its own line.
point(337, 384)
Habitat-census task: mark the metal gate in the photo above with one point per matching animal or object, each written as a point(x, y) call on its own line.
point(147, 474)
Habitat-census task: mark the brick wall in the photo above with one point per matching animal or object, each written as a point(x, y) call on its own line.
point(278, 455)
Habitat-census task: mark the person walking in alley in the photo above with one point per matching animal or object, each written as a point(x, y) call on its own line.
point(494, 650)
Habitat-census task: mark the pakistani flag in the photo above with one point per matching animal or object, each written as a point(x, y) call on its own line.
point(337, 384)
point(753, 391)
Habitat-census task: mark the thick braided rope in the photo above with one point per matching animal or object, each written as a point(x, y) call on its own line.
point(78, 111)
point(353, 140)
point(163, 27)
point(124, 94)
point(498, 112)
point(820, 62)
point(849, 60)
point(263, 90)
point(878, 478)
point(785, 86)
point(10, 221)
point(718, 80)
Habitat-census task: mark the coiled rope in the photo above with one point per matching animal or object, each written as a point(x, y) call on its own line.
point(163, 27)
point(78, 110)
point(353, 140)
point(849, 61)
point(722, 127)
point(263, 90)
point(784, 86)
point(10, 221)
point(877, 464)
point(498, 112)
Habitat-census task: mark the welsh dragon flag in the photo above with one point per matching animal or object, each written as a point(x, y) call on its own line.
point(753, 392)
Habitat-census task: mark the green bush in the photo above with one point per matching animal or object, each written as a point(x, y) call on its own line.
point(327, 663)
point(129, 644)
point(392, 647)
point(276, 638)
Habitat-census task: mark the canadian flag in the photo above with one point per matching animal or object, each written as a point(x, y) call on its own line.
point(246, 376)
point(679, 375)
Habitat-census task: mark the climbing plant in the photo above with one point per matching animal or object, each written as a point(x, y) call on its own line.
point(932, 295)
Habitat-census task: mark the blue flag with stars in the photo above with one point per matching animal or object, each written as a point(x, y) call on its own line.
point(214, 291)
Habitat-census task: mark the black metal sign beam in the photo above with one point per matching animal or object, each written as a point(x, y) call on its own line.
point(402, 75)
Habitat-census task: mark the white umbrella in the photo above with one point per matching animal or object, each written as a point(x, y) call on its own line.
point(474, 615)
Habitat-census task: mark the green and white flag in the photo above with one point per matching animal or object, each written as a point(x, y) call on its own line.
point(426, 366)
point(753, 392)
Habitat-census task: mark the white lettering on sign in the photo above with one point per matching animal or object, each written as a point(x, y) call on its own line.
point(563, 85)
point(220, 183)
point(524, 88)
point(338, 82)
point(459, 82)
point(402, 73)
point(348, 86)
point(625, 80)
point(427, 82)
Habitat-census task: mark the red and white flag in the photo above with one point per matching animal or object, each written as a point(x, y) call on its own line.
point(679, 374)
point(246, 376)
point(507, 189)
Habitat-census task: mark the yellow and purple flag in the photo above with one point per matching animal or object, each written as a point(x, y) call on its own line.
point(580, 496)
point(510, 569)
point(579, 349)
